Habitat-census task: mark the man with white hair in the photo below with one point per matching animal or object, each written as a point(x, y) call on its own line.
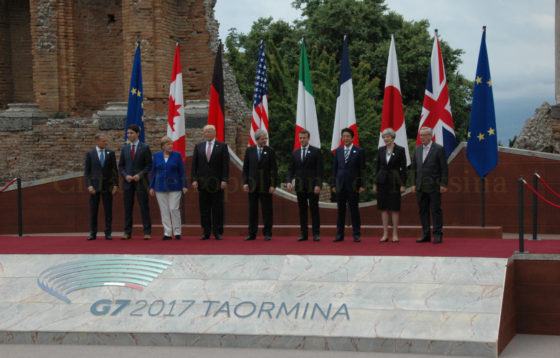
point(429, 181)
point(209, 175)
point(260, 177)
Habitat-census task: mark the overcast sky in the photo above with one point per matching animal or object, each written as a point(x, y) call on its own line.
point(519, 38)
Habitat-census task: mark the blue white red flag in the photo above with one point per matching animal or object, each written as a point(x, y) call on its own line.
point(135, 111)
point(260, 99)
point(436, 110)
point(345, 115)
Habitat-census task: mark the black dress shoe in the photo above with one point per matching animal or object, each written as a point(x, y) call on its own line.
point(165, 237)
point(92, 237)
point(316, 238)
point(177, 237)
point(302, 238)
point(218, 236)
point(108, 237)
point(338, 238)
point(249, 238)
point(423, 239)
point(356, 238)
point(204, 237)
point(267, 238)
point(437, 239)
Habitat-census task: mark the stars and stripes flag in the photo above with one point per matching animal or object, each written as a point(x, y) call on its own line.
point(135, 110)
point(436, 110)
point(260, 98)
point(306, 117)
point(176, 113)
point(393, 114)
point(482, 142)
point(345, 115)
point(216, 112)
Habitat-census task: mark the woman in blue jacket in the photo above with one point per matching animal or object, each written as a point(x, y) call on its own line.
point(167, 181)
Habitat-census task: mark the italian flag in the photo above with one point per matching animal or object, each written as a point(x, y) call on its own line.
point(306, 117)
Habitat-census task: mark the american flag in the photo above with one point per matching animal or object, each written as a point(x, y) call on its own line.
point(436, 110)
point(260, 98)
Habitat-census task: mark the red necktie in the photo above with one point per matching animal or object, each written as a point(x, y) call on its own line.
point(133, 151)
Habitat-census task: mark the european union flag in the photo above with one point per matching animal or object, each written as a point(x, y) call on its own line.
point(135, 112)
point(482, 143)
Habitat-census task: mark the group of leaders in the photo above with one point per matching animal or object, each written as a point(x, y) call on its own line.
point(164, 177)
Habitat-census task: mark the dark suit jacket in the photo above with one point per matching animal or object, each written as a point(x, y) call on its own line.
point(260, 175)
point(170, 175)
point(432, 173)
point(101, 179)
point(309, 172)
point(393, 173)
point(349, 176)
point(210, 175)
point(141, 165)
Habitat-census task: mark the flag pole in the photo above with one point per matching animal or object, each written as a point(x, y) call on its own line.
point(482, 191)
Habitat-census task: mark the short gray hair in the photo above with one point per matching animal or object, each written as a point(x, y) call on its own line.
point(259, 133)
point(389, 131)
point(426, 129)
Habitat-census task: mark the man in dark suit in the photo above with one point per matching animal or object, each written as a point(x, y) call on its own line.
point(102, 181)
point(348, 181)
point(134, 165)
point(209, 175)
point(429, 177)
point(260, 176)
point(306, 167)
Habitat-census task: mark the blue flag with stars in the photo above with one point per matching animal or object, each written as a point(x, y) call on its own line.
point(135, 112)
point(482, 143)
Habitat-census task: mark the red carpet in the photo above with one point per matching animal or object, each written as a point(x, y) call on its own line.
point(277, 246)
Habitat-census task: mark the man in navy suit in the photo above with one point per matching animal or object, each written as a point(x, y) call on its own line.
point(102, 180)
point(348, 181)
point(306, 167)
point(260, 177)
point(209, 175)
point(134, 165)
point(429, 177)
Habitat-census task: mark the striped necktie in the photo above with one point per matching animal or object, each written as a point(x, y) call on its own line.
point(346, 154)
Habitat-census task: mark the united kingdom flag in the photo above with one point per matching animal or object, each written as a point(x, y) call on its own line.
point(436, 110)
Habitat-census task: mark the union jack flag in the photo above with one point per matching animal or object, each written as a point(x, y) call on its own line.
point(436, 110)
point(260, 99)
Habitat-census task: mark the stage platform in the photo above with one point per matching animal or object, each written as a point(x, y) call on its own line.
point(457, 298)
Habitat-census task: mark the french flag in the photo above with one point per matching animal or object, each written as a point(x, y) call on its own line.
point(345, 115)
point(436, 110)
point(393, 114)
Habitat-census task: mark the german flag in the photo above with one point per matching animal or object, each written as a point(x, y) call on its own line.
point(216, 108)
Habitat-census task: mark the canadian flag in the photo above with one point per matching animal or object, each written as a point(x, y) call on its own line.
point(393, 114)
point(176, 113)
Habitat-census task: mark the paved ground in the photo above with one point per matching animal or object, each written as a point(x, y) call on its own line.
point(521, 346)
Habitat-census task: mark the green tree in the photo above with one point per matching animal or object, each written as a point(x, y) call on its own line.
point(368, 25)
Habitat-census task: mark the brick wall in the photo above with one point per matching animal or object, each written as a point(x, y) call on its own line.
point(98, 31)
point(79, 54)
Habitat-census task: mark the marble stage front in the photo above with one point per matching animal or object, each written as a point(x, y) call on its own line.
point(430, 305)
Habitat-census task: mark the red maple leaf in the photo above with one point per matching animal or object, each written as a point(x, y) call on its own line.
point(172, 113)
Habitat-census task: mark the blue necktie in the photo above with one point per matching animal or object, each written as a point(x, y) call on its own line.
point(303, 154)
point(102, 157)
point(260, 153)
